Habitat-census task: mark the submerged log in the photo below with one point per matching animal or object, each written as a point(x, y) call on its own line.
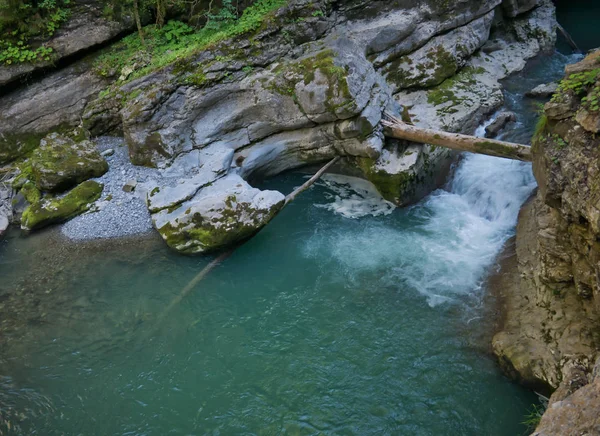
point(395, 128)
point(223, 256)
point(568, 37)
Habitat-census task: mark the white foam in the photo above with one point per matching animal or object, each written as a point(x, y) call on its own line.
point(440, 247)
point(352, 197)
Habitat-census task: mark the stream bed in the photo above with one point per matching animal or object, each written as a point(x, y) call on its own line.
point(343, 316)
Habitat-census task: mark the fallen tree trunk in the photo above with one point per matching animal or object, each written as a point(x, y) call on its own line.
point(394, 128)
point(310, 181)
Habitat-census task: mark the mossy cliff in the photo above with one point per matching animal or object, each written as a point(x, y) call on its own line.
point(550, 337)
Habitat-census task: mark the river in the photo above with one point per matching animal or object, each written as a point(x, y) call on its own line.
point(343, 316)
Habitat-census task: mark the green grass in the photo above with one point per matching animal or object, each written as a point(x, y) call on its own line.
point(177, 41)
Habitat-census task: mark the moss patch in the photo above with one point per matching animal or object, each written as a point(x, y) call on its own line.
point(60, 163)
point(54, 210)
point(393, 187)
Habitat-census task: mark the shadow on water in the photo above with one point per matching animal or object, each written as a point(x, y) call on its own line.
point(580, 19)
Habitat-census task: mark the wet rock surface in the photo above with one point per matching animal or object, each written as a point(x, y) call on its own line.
point(543, 91)
point(283, 102)
point(502, 119)
point(550, 337)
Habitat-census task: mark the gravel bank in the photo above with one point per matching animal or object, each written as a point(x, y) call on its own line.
point(117, 213)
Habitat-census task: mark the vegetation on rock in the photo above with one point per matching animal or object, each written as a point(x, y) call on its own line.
point(60, 163)
point(48, 211)
point(22, 22)
point(157, 46)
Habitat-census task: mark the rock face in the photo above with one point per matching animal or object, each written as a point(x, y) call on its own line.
point(296, 92)
point(48, 211)
point(576, 414)
point(440, 58)
point(61, 163)
point(55, 103)
point(551, 333)
point(542, 91)
point(87, 27)
point(219, 215)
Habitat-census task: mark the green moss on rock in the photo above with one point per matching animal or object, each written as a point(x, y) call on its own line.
point(13, 147)
point(396, 188)
point(60, 163)
point(55, 210)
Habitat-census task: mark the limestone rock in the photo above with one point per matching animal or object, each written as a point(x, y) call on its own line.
point(576, 414)
point(331, 88)
point(86, 28)
point(544, 90)
point(589, 120)
point(405, 174)
point(60, 163)
point(48, 211)
point(219, 215)
point(502, 119)
point(54, 103)
point(513, 8)
point(3, 225)
point(440, 58)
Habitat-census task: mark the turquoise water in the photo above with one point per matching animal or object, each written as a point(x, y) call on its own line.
point(312, 327)
point(343, 316)
point(580, 18)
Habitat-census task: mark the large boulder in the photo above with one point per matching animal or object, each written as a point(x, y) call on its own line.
point(50, 210)
point(219, 215)
point(60, 163)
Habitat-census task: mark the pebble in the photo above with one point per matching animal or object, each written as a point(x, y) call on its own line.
point(126, 213)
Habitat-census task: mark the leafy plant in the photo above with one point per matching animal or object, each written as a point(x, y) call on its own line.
point(592, 100)
point(578, 82)
point(21, 21)
point(534, 416)
point(174, 31)
point(177, 41)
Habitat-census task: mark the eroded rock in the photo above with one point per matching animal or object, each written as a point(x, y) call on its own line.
point(440, 58)
point(219, 215)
